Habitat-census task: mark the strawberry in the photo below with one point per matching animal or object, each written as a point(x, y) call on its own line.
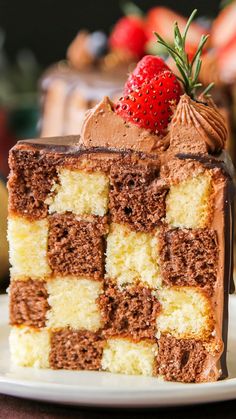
point(227, 62)
point(129, 35)
point(223, 29)
point(147, 68)
point(162, 19)
point(151, 105)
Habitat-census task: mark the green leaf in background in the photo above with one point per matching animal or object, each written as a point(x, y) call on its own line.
point(225, 3)
point(18, 91)
point(18, 80)
point(129, 8)
point(154, 48)
point(23, 121)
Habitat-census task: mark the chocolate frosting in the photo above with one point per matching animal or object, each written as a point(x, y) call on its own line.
point(204, 120)
point(104, 128)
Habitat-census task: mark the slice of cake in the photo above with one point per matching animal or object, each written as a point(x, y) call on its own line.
point(71, 87)
point(121, 239)
point(67, 93)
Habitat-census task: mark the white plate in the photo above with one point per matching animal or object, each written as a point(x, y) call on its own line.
point(108, 390)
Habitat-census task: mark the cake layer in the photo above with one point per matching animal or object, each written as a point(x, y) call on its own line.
point(132, 256)
point(76, 247)
point(73, 303)
point(188, 203)
point(76, 350)
point(189, 257)
point(185, 360)
point(186, 313)
point(131, 311)
point(123, 356)
point(79, 192)
point(28, 247)
point(137, 197)
point(28, 303)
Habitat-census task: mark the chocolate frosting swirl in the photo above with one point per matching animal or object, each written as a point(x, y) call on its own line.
point(205, 119)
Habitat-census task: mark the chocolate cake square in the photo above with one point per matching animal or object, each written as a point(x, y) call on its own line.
point(76, 350)
point(129, 312)
point(31, 182)
point(28, 303)
point(181, 359)
point(137, 197)
point(75, 247)
point(189, 257)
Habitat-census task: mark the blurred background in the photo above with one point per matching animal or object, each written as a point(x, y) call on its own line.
point(48, 26)
point(34, 35)
point(59, 58)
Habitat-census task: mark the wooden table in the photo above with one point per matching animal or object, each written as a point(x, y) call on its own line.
point(14, 408)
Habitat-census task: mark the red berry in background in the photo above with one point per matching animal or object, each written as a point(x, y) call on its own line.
point(129, 35)
point(224, 26)
point(162, 19)
point(191, 49)
point(147, 68)
point(226, 61)
point(151, 106)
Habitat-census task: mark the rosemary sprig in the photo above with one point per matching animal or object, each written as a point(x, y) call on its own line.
point(189, 70)
point(207, 89)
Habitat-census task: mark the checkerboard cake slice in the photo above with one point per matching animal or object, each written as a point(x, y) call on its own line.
point(121, 239)
point(121, 256)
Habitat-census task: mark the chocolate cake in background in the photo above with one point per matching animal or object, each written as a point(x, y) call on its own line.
point(70, 88)
point(67, 94)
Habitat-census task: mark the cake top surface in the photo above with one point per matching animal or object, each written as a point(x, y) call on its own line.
point(195, 127)
point(68, 141)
